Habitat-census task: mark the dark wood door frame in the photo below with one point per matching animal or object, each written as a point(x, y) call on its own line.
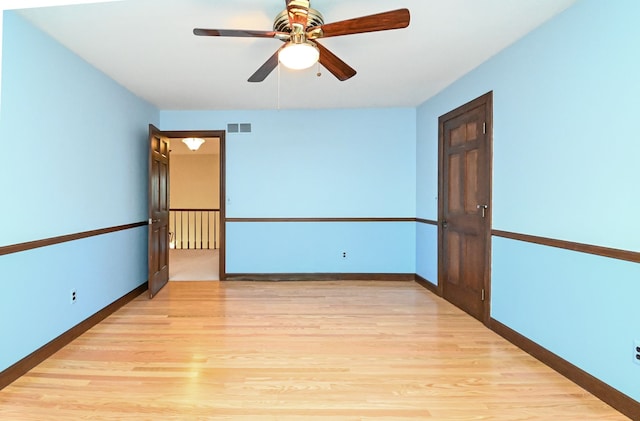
point(487, 101)
point(220, 134)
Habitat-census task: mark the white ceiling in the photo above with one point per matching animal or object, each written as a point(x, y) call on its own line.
point(148, 47)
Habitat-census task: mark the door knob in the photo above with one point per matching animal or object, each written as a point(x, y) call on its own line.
point(484, 209)
point(445, 224)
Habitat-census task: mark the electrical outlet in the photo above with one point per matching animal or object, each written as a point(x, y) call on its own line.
point(74, 296)
point(636, 351)
point(344, 254)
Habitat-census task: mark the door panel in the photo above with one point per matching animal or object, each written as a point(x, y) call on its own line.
point(454, 196)
point(158, 211)
point(464, 199)
point(453, 260)
point(471, 199)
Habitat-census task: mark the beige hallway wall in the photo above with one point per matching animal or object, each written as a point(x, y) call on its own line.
point(195, 181)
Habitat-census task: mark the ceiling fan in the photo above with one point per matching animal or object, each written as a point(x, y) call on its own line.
point(299, 27)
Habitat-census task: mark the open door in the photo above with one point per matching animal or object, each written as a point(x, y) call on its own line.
point(465, 206)
point(158, 211)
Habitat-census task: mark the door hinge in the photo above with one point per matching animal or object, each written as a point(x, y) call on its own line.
point(482, 294)
point(484, 128)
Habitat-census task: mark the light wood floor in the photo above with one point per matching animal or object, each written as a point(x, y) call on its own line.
point(294, 351)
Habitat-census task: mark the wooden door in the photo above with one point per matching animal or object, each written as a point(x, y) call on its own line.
point(465, 206)
point(158, 211)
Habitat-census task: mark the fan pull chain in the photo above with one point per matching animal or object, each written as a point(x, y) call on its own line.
point(278, 84)
point(318, 72)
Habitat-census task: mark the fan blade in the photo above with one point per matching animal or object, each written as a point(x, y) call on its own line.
point(332, 63)
point(239, 33)
point(264, 70)
point(298, 11)
point(395, 19)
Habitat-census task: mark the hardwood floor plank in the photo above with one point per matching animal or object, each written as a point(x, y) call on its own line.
point(344, 350)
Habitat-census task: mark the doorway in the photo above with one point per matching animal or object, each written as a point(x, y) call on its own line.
point(464, 206)
point(197, 207)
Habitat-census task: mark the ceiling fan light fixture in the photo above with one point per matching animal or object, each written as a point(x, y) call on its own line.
point(193, 143)
point(299, 56)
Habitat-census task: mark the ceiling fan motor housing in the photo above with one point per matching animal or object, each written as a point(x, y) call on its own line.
point(281, 22)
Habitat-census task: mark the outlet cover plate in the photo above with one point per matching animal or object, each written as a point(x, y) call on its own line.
point(636, 351)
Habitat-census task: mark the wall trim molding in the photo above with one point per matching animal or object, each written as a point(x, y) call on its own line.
point(400, 277)
point(613, 397)
point(16, 248)
point(427, 221)
point(320, 219)
point(12, 373)
point(426, 284)
point(627, 255)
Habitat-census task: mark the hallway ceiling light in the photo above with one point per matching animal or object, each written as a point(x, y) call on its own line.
point(193, 143)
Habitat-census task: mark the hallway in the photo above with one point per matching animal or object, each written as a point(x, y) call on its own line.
point(194, 265)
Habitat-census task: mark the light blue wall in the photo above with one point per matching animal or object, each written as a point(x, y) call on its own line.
point(427, 252)
point(565, 167)
point(316, 164)
point(317, 247)
point(581, 307)
point(427, 193)
point(36, 286)
point(74, 159)
point(74, 142)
